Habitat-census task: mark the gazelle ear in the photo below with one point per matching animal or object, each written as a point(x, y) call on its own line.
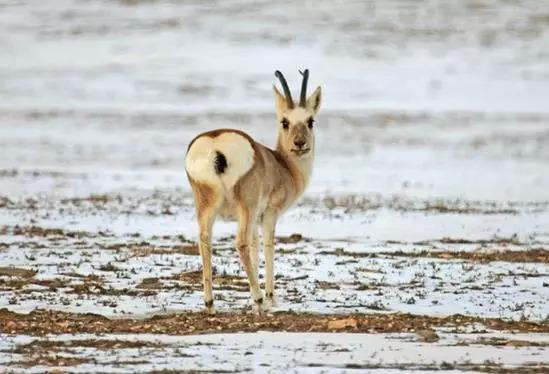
point(281, 104)
point(313, 102)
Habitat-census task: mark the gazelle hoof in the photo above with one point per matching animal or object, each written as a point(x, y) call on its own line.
point(259, 307)
point(209, 308)
point(210, 311)
point(271, 301)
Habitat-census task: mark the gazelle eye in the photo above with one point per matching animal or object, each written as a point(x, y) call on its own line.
point(285, 124)
point(310, 122)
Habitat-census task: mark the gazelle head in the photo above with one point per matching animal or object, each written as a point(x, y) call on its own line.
point(296, 122)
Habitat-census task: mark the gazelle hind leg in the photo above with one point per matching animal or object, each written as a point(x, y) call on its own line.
point(205, 247)
point(268, 228)
point(244, 239)
point(208, 203)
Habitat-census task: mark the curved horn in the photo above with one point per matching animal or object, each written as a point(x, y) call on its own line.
point(286, 89)
point(303, 99)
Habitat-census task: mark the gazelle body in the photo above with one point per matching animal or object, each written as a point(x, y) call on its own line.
point(233, 176)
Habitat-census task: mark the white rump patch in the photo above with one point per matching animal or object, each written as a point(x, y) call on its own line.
point(237, 150)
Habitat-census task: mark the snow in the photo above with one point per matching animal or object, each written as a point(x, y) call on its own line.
point(426, 104)
point(281, 351)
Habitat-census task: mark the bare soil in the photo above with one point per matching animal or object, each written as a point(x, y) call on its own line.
point(539, 255)
point(42, 322)
point(532, 255)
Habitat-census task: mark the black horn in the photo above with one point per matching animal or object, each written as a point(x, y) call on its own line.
point(286, 89)
point(303, 98)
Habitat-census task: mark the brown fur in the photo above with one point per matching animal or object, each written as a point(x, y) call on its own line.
point(204, 195)
point(216, 133)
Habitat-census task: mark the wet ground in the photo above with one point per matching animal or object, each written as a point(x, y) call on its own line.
point(422, 242)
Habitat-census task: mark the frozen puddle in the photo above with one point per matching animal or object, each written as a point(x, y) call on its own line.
point(267, 352)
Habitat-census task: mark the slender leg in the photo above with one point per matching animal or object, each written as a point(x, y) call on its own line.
point(244, 239)
point(206, 220)
point(207, 201)
point(269, 223)
point(254, 252)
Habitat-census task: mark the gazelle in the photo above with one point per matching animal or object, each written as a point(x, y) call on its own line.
point(234, 176)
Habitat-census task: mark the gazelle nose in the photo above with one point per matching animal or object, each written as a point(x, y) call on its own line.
point(299, 143)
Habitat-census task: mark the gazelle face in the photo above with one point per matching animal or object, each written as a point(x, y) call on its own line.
point(296, 124)
point(296, 134)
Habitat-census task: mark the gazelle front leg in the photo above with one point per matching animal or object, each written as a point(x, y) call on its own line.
point(269, 223)
point(244, 239)
point(254, 251)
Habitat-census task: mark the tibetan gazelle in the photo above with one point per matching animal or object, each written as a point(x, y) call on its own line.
point(234, 176)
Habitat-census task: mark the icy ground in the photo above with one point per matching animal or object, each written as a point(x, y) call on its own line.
point(432, 164)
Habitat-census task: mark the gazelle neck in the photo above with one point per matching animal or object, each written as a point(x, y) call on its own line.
point(300, 167)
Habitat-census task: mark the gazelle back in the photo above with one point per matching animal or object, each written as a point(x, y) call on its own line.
point(233, 176)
